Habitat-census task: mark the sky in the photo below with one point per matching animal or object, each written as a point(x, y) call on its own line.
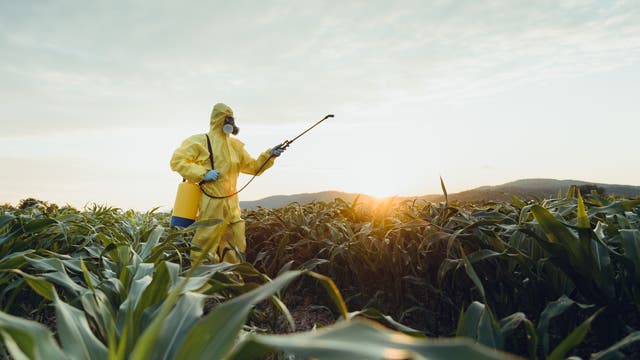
point(95, 96)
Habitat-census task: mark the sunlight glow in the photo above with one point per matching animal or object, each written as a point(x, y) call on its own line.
point(396, 354)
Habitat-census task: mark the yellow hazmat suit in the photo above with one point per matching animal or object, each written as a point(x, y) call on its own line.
point(191, 161)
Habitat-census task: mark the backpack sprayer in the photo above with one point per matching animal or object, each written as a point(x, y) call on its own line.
point(185, 209)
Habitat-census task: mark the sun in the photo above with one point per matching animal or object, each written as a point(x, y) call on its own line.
point(381, 190)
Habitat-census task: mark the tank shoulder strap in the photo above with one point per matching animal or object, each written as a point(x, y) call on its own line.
point(210, 152)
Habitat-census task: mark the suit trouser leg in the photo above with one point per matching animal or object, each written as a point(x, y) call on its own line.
point(233, 241)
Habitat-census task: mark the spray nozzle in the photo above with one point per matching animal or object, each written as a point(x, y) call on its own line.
point(285, 144)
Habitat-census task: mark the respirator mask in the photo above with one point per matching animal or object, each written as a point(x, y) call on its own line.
point(229, 126)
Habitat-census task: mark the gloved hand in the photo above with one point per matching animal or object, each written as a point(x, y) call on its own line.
point(276, 151)
point(211, 175)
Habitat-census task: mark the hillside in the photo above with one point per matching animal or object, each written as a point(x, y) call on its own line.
point(277, 201)
point(524, 188)
point(541, 188)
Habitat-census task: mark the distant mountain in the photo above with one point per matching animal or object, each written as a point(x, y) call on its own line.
point(277, 201)
point(525, 188)
point(540, 188)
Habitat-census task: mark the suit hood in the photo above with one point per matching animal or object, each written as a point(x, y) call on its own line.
point(218, 114)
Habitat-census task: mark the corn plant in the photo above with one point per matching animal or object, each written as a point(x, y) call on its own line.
point(161, 317)
point(408, 259)
point(528, 277)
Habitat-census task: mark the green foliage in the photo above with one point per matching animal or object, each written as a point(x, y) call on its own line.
point(542, 278)
point(422, 262)
point(361, 340)
point(27, 339)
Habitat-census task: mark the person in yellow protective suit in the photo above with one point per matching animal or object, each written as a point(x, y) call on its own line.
point(191, 161)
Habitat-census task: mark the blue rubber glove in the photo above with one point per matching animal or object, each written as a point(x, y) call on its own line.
point(211, 175)
point(276, 151)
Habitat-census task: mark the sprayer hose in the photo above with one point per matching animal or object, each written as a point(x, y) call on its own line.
point(242, 188)
point(284, 145)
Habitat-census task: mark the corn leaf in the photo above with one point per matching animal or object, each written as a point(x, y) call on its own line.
point(583, 219)
point(510, 323)
point(444, 191)
point(38, 284)
point(214, 336)
point(333, 292)
point(575, 256)
point(553, 309)
point(183, 316)
point(478, 323)
point(631, 246)
point(14, 260)
point(155, 292)
point(361, 339)
point(151, 242)
point(75, 334)
point(613, 350)
point(26, 339)
point(473, 275)
point(574, 339)
point(374, 314)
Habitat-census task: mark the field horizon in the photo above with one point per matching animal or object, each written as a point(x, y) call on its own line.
point(525, 188)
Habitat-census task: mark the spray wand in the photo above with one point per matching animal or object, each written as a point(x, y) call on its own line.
point(285, 144)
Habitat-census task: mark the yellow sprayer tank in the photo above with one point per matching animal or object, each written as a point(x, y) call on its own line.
point(185, 208)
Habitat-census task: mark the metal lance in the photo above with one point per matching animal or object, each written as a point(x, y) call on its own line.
point(285, 144)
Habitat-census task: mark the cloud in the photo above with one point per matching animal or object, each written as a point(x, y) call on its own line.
point(153, 64)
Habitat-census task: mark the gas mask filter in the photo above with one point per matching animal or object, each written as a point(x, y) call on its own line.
point(229, 126)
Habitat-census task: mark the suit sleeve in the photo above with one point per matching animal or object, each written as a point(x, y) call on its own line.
point(184, 160)
point(251, 166)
